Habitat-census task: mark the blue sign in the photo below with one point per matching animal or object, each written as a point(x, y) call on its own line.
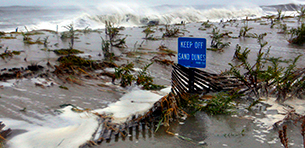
point(192, 52)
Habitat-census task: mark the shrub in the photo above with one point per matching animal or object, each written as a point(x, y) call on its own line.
point(216, 43)
point(297, 35)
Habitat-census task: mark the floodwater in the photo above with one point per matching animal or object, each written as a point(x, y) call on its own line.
point(243, 128)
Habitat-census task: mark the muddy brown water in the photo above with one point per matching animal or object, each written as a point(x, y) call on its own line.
point(237, 130)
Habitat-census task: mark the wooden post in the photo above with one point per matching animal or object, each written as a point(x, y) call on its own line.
point(191, 80)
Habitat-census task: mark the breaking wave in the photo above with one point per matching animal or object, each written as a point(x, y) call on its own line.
point(129, 15)
point(172, 16)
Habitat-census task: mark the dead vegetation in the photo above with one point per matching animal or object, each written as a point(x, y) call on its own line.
point(67, 51)
point(162, 61)
point(293, 117)
point(162, 54)
point(23, 72)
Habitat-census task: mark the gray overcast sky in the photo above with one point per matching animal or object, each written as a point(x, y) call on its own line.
point(150, 2)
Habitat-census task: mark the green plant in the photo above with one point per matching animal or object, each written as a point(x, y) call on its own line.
point(301, 13)
point(207, 24)
point(67, 51)
point(72, 60)
point(113, 35)
point(268, 73)
point(242, 133)
point(111, 31)
point(26, 37)
point(120, 43)
point(244, 30)
point(108, 55)
point(288, 80)
point(220, 104)
point(124, 73)
point(148, 33)
point(241, 56)
point(143, 78)
point(171, 31)
point(216, 43)
point(69, 34)
point(46, 49)
point(28, 40)
point(63, 87)
point(283, 29)
point(9, 54)
point(253, 72)
point(297, 35)
point(87, 30)
point(279, 14)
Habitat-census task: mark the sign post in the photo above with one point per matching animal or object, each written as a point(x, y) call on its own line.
point(192, 54)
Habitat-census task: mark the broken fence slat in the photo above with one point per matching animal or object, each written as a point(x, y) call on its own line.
point(203, 83)
point(108, 134)
point(1, 126)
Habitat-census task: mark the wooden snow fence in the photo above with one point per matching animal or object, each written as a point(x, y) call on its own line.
point(134, 126)
point(204, 82)
point(4, 133)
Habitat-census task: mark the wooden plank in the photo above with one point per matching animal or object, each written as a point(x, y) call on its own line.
point(117, 129)
point(180, 85)
point(99, 130)
point(184, 82)
point(1, 125)
point(107, 134)
point(210, 83)
point(104, 125)
point(182, 72)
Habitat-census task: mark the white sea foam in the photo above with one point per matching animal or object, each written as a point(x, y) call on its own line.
point(8, 83)
point(132, 103)
point(69, 129)
point(277, 111)
point(43, 82)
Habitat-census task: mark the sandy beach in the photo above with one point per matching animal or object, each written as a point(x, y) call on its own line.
point(31, 102)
